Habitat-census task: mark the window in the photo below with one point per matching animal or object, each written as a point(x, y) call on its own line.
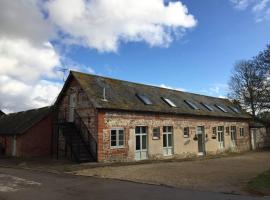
point(144, 99)
point(220, 133)
point(207, 106)
point(186, 132)
point(167, 140)
point(169, 102)
point(156, 133)
point(242, 134)
point(233, 133)
point(221, 108)
point(227, 129)
point(214, 133)
point(117, 138)
point(236, 110)
point(191, 104)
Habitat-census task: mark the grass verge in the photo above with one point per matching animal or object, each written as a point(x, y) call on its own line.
point(260, 185)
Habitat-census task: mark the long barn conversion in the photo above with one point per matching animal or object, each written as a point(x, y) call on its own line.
point(106, 120)
point(114, 120)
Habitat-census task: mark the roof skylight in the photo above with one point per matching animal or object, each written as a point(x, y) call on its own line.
point(144, 99)
point(221, 108)
point(169, 102)
point(235, 109)
point(207, 106)
point(191, 104)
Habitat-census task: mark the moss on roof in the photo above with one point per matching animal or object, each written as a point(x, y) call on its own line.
point(18, 123)
point(121, 95)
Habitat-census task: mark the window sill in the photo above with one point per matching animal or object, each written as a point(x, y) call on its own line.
point(122, 147)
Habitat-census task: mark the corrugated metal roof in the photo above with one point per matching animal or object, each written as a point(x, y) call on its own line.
point(18, 123)
point(123, 95)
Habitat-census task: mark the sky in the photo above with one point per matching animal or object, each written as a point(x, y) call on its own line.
point(187, 45)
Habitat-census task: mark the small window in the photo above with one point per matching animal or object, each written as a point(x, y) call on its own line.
point(242, 134)
point(191, 104)
point(144, 99)
point(186, 132)
point(207, 106)
point(156, 133)
point(228, 129)
point(236, 110)
point(117, 138)
point(221, 108)
point(214, 133)
point(169, 102)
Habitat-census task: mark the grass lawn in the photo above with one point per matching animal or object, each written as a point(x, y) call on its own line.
point(261, 184)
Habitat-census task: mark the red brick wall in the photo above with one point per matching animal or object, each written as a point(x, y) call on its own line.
point(37, 140)
point(129, 120)
point(100, 142)
point(6, 142)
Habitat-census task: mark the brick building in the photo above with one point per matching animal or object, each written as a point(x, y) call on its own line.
point(1, 112)
point(26, 134)
point(109, 120)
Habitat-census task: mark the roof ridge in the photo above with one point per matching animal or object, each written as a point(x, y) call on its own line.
point(143, 84)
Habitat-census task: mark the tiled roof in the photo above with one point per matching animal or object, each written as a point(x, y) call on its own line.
point(123, 95)
point(18, 123)
point(1, 112)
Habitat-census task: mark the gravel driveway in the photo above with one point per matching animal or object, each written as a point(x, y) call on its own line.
point(228, 175)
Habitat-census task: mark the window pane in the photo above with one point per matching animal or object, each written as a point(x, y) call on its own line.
point(144, 129)
point(164, 140)
point(144, 142)
point(113, 143)
point(138, 142)
point(121, 135)
point(137, 129)
point(169, 140)
point(121, 142)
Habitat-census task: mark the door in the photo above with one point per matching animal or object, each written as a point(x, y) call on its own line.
point(167, 141)
point(201, 140)
point(141, 152)
point(233, 136)
point(14, 145)
point(72, 106)
point(253, 139)
point(221, 137)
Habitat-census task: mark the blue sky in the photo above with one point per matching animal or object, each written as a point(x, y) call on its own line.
point(201, 61)
point(189, 45)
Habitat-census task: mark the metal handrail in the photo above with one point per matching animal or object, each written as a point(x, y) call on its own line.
point(86, 135)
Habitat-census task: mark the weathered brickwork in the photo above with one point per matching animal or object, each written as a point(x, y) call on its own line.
point(83, 107)
point(36, 141)
point(182, 147)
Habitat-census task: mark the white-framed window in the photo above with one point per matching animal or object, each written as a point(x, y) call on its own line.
point(117, 138)
point(242, 133)
point(156, 133)
point(186, 132)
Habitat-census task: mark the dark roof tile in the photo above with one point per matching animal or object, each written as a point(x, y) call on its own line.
point(18, 123)
point(121, 95)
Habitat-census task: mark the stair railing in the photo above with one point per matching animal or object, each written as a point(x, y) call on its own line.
point(86, 135)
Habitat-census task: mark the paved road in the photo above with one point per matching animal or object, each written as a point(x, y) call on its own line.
point(19, 184)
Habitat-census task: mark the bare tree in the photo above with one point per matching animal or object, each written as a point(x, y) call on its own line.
point(247, 86)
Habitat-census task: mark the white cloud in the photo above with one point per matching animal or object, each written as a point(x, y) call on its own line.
point(260, 8)
point(218, 90)
point(26, 57)
point(29, 59)
point(16, 95)
point(172, 88)
point(103, 24)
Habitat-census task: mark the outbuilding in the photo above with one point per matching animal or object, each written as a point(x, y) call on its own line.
point(27, 133)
